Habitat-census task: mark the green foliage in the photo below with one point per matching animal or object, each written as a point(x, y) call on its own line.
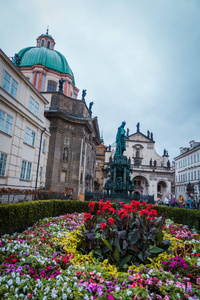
point(190, 217)
point(16, 217)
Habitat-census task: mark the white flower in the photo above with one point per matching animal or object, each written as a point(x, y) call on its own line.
point(64, 296)
point(18, 281)
point(16, 290)
point(21, 295)
point(54, 293)
point(117, 289)
point(128, 292)
point(13, 274)
point(86, 297)
point(44, 298)
point(69, 290)
point(24, 288)
point(47, 289)
point(10, 282)
point(198, 263)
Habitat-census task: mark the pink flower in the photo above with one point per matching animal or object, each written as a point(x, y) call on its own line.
point(110, 297)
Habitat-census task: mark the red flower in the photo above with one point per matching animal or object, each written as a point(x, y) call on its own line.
point(111, 221)
point(103, 225)
point(87, 216)
point(91, 206)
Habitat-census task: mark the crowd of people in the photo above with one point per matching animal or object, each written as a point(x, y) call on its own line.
point(180, 202)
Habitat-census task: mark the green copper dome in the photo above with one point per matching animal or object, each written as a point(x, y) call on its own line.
point(49, 58)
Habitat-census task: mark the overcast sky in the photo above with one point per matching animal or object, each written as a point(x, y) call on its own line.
point(138, 59)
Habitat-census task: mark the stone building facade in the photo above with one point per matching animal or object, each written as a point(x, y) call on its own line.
point(187, 171)
point(74, 138)
point(151, 173)
point(74, 132)
point(24, 130)
point(99, 168)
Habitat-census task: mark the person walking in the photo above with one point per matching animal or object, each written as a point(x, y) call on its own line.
point(189, 203)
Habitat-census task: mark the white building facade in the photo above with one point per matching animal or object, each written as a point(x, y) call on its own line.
point(24, 130)
point(187, 171)
point(151, 172)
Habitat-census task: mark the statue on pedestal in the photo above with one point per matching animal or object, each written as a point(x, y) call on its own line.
point(121, 140)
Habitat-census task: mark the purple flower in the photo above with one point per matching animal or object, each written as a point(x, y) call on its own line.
point(7, 271)
point(110, 297)
point(19, 269)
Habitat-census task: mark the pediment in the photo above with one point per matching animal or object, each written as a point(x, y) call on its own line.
point(140, 137)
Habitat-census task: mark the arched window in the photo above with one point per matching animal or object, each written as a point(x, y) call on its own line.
point(52, 86)
point(137, 153)
point(65, 154)
point(48, 44)
point(42, 43)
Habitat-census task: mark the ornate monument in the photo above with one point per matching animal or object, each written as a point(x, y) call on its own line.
point(119, 184)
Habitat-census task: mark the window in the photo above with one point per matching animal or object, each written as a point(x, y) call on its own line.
point(41, 174)
point(3, 160)
point(188, 176)
point(6, 81)
point(188, 160)
point(48, 44)
point(191, 175)
point(197, 156)
point(33, 106)
point(9, 84)
point(13, 90)
point(29, 137)
point(43, 146)
point(25, 170)
point(42, 43)
point(194, 158)
point(97, 151)
point(194, 175)
point(96, 163)
point(185, 177)
point(63, 176)
point(52, 86)
point(5, 123)
point(65, 154)
point(198, 174)
point(191, 160)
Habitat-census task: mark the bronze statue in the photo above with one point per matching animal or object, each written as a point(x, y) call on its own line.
point(90, 108)
point(121, 140)
point(127, 132)
point(61, 82)
point(138, 127)
point(83, 94)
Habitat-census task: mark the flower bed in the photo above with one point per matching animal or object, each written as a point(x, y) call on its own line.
point(45, 262)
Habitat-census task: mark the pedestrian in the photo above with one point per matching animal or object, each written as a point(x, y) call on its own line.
point(189, 203)
point(166, 201)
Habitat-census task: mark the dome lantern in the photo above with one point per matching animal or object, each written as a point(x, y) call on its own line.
point(46, 40)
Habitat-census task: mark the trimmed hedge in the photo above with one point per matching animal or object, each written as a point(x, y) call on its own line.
point(16, 217)
point(185, 216)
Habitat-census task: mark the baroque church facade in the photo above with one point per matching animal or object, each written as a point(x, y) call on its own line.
point(74, 131)
point(151, 172)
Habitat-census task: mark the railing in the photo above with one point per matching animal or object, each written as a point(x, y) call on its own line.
point(96, 196)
